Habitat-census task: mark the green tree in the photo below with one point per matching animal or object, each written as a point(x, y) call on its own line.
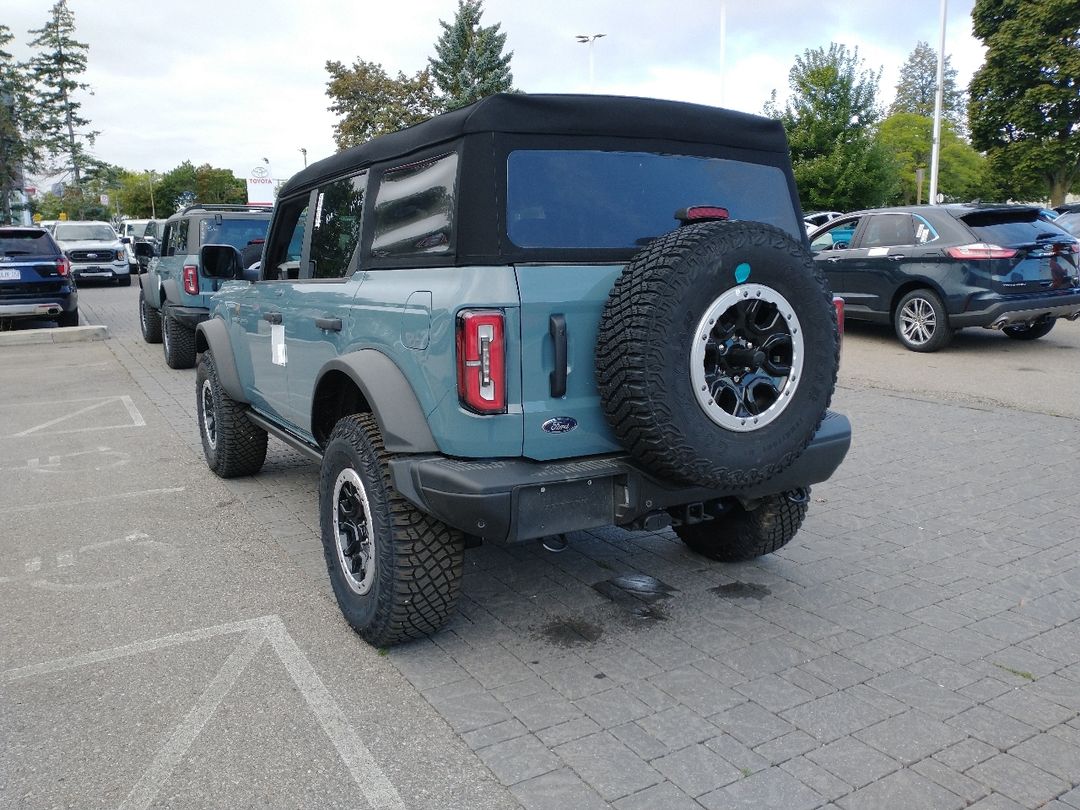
point(916, 92)
point(14, 147)
point(908, 138)
point(187, 184)
point(830, 119)
point(134, 195)
point(370, 102)
point(469, 62)
point(57, 125)
point(1025, 99)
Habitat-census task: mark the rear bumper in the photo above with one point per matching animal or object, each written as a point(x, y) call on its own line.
point(101, 272)
point(1021, 310)
point(512, 500)
point(39, 307)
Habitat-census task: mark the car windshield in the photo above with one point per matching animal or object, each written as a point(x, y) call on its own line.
point(236, 232)
point(594, 199)
point(26, 243)
point(1070, 222)
point(76, 232)
point(1009, 228)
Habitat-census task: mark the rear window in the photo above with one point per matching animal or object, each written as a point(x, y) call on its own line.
point(236, 232)
point(1012, 227)
point(84, 233)
point(27, 243)
point(414, 209)
point(593, 199)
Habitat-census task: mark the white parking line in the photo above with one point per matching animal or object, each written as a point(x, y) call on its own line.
point(32, 507)
point(65, 560)
point(136, 417)
point(33, 565)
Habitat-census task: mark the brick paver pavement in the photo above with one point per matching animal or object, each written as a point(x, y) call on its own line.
point(916, 646)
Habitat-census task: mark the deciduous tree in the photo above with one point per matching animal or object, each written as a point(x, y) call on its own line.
point(372, 103)
point(908, 138)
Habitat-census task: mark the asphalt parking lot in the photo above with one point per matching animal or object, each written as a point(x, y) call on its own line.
point(169, 639)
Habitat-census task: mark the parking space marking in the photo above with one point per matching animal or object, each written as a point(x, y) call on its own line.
point(365, 771)
point(33, 565)
point(65, 560)
point(55, 464)
point(33, 507)
point(133, 413)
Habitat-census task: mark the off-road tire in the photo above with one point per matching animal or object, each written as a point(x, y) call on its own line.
point(124, 280)
point(418, 559)
point(238, 446)
point(941, 334)
point(745, 534)
point(65, 319)
point(643, 363)
point(149, 320)
point(1030, 332)
point(178, 341)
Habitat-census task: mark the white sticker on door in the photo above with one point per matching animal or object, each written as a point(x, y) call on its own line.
point(277, 345)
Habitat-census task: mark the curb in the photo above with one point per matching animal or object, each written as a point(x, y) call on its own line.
point(69, 334)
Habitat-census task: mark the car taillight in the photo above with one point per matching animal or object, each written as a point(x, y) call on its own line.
point(481, 361)
point(63, 266)
point(981, 250)
point(191, 279)
point(838, 302)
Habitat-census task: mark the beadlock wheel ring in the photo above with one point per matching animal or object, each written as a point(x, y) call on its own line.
point(209, 416)
point(352, 532)
point(746, 357)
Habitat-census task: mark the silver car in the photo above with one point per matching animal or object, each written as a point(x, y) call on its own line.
point(96, 251)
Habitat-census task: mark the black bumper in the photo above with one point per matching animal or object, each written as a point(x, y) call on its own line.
point(512, 500)
point(189, 316)
point(1021, 309)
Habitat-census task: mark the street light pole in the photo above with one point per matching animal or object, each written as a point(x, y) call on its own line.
point(590, 39)
point(303, 152)
point(723, 47)
point(153, 208)
point(939, 102)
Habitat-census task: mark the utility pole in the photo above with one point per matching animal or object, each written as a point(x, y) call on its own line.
point(153, 208)
point(939, 102)
point(303, 152)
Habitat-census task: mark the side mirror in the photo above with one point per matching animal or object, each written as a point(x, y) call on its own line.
point(221, 261)
point(125, 240)
point(144, 250)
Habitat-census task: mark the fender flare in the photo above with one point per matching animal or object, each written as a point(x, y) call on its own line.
point(402, 421)
point(212, 336)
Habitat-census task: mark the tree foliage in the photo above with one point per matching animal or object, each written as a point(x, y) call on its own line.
point(1025, 99)
point(908, 138)
point(55, 121)
point(469, 62)
point(916, 92)
point(187, 184)
point(15, 150)
point(830, 119)
point(370, 102)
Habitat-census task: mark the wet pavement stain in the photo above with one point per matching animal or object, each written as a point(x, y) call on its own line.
point(741, 590)
point(638, 593)
point(564, 632)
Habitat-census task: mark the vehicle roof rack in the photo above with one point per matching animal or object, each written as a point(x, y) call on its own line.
point(224, 207)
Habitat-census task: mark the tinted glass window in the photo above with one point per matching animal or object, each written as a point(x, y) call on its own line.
point(1070, 222)
point(887, 230)
point(27, 243)
point(286, 240)
point(837, 237)
point(236, 232)
point(1011, 227)
point(84, 233)
point(592, 199)
point(414, 209)
point(180, 237)
point(336, 226)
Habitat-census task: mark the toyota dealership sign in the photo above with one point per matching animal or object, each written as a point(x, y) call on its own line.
point(260, 186)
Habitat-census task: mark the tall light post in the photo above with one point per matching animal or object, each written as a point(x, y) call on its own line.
point(153, 208)
point(303, 152)
point(590, 40)
point(939, 102)
point(723, 47)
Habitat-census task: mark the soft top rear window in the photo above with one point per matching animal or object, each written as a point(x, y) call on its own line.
point(594, 199)
point(29, 242)
point(1012, 227)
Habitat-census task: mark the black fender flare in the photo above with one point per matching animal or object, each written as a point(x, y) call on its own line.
point(212, 336)
point(402, 421)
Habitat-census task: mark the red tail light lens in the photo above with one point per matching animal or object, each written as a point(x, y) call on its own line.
point(191, 279)
point(980, 250)
point(63, 266)
point(481, 361)
point(838, 302)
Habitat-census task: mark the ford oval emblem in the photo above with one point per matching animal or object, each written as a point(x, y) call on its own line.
point(560, 424)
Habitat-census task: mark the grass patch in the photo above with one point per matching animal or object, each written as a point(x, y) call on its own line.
point(1019, 673)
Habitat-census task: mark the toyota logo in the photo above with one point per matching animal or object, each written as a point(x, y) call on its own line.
point(259, 171)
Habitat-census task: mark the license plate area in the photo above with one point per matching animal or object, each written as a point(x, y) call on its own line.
point(10, 274)
point(557, 508)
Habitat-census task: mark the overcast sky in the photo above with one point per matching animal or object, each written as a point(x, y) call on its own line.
point(229, 82)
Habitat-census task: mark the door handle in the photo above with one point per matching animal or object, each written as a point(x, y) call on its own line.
point(329, 324)
point(272, 317)
point(557, 378)
point(896, 256)
point(833, 259)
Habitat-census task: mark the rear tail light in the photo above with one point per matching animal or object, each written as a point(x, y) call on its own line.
point(981, 250)
point(63, 266)
point(838, 302)
point(481, 361)
point(191, 279)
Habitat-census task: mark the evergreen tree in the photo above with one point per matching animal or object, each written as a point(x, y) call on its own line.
point(1025, 99)
point(58, 128)
point(830, 118)
point(14, 152)
point(916, 92)
point(469, 62)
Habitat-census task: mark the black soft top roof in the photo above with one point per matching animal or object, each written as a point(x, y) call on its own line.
point(541, 114)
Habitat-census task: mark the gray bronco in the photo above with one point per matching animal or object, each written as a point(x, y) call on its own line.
point(530, 316)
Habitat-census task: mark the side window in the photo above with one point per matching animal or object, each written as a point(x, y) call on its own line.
point(180, 238)
point(837, 237)
point(167, 240)
point(335, 228)
point(281, 259)
point(924, 231)
point(888, 230)
point(414, 209)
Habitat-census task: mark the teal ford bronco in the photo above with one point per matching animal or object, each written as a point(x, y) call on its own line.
point(529, 316)
point(175, 293)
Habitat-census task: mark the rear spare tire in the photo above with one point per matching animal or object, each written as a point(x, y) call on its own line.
point(717, 353)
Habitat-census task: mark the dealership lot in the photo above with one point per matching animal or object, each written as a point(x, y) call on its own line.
point(169, 638)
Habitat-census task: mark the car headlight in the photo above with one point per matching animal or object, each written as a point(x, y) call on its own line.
point(121, 256)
